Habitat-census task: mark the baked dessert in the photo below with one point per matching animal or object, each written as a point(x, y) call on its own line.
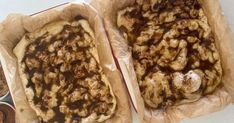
point(61, 74)
point(173, 49)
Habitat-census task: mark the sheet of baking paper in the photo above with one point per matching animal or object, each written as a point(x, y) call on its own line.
point(16, 25)
point(224, 40)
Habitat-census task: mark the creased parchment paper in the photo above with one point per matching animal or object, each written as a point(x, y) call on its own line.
point(174, 114)
point(16, 25)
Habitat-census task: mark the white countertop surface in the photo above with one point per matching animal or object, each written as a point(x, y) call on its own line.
point(32, 6)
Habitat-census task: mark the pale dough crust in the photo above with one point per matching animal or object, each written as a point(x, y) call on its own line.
point(55, 28)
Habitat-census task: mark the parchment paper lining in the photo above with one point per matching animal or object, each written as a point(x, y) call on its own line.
point(208, 104)
point(16, 25)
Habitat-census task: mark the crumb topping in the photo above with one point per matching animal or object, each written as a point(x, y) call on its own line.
point(67, 80)
point(173, 49)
